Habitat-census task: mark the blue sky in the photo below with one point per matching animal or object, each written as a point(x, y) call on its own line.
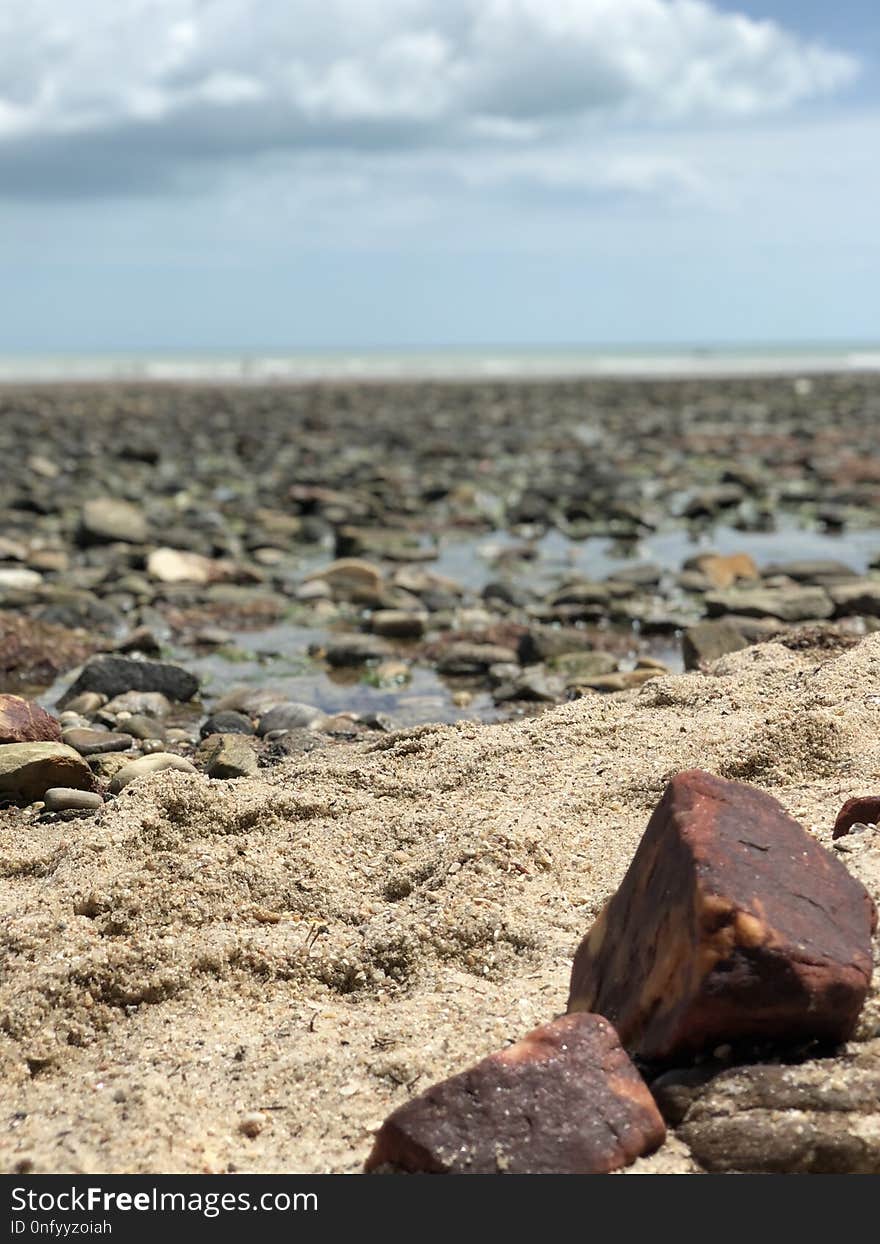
point(217, 174)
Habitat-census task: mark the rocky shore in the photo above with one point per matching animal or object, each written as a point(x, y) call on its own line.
point(331, 718)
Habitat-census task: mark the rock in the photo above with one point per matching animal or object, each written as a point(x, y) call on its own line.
point(723, 572)
point(86, 704)
point(464, 659)
point(532, 685)
point(177, 566)
point(228, 722)
point(861, 596)
point(399, 623)
point(22, 721)
point(141, 727)
point(819, 1118)
point(643, 574)
point(114, 675)
point(66, 799)
point(15, 577)
point(356, 650)
point(145, 765)
point(863, 810)
point(546, 643)
point(391, 545)
point(351, 578)
point(28, 770)
point(732, 923)
point(563, 1100)
point(289, 716)
point(577, 666)
point(96, 742)
point(789, 604)
point(140, 640)
point(707, 641)
point(821, 571)
point(625, 680)
point(140, 703)
point(228, 756)
point(107, 519)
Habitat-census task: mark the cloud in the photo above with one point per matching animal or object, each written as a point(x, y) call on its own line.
point(108, 96)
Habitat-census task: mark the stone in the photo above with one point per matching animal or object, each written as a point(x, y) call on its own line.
point(861, 596)
point(563, 1100)
point(111, 675)
point(818, 1118)
point(13, 578)
point(707, 641)
point(86, 704)
point(351, 578)
point(732, 923)
point(228, 722)
point(289, 716)
point(822, 571)
point(355, 650)
point(106, 520)
point(723, 571)
point(228, 756)
point(399, 623)
point(546, 643)
point(66, 799)
point(28, 770)
point(533, 685)
point(142, 727)
point(140, 703)
point(22, 721)
point(789, 604)
point(625, 680)
point(146, 765)
point(96, 742)
point(464, 659)
point(863, 810)
point(576, 666)
point(178, 566)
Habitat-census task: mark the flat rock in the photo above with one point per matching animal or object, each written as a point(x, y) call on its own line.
point(545, 643)
point(463, 659)
point(145, 765)
point(576, 666)
point(860, 596)
point(399, 623)
point(289, 715)
point(789, 604)
point(22, 721)
point(28, 770)
point(179, 566)
point(820, 570)
point(13, 578)
point(111, 675)
point(227, 722)
point(732, 923)
point(707, 641)
point(564, 1100)
point(228, 756)
point(107, 520)
point(351, 578)
point(66, 799)
point(96, 742)
point(356, 650)
point(818, 1118)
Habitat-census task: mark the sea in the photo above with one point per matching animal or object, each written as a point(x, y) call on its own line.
point(473, 363)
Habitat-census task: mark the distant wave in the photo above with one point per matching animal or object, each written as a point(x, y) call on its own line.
point(434, 365)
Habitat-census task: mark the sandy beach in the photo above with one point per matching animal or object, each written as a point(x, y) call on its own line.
point(248, 974)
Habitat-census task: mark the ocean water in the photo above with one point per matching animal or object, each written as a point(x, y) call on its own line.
point(443, 364)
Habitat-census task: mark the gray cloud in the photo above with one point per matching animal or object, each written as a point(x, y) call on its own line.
point(142, 96)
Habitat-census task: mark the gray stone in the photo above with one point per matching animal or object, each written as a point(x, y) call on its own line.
point(228, 756)
point(789, 604)
point(228, 722)
point(464, 659)
point(545, 643)
point(107, 519)
point(707, 641)
point(96, 742)
point(138, 703)
point(861, 596)
point(289, 716)
point(356, 650)
point(112, 675)
point(66, 799)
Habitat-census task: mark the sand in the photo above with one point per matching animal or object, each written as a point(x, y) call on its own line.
point(319, 943)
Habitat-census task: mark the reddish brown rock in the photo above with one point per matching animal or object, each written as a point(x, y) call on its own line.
point(565, 1100)
point(863, 810)
point(732, 923)
point(22, 721)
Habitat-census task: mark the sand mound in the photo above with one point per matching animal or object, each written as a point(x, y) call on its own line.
point(319, 943)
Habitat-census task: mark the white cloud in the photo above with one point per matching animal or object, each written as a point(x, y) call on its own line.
point(103, 95)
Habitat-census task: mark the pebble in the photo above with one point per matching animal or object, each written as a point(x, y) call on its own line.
point(227, 756)
point(66, 799)
point(227, 722)
point(289, 716)
point(145, 765)
point(96, 742)
point(108, 519)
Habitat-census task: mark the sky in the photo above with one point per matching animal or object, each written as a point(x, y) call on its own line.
point(265, 175)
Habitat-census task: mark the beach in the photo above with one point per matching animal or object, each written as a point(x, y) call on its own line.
point(469, 607)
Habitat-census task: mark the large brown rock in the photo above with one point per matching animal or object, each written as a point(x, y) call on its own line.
point(564, 1100)
point(28, 770)
point(732, 923)
point(22, 721)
